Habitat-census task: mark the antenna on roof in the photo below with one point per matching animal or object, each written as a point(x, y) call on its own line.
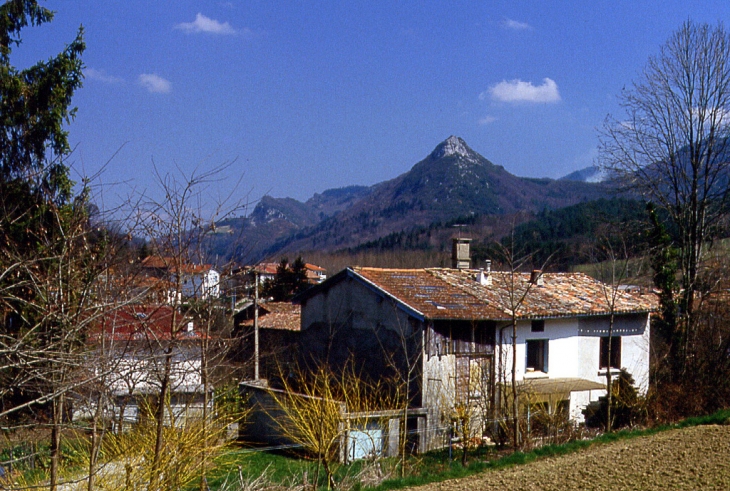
point(459, 226)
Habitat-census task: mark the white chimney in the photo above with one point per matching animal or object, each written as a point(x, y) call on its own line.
point(190, 326)
point(484, 278)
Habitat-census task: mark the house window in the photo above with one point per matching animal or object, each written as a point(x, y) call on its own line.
point(538, 325)
point(615, 352)
point(537, 355)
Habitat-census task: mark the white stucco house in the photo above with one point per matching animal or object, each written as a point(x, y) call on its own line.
point(199, 281)
point(565, 359)
point(451, 330)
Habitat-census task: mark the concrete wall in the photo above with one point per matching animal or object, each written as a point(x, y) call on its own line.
point(264, 418)
point(351, 323)
point(351, 302)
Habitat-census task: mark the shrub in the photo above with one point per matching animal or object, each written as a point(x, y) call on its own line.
point(627, 408)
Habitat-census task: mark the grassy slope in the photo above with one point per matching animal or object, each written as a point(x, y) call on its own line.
point(430, 468)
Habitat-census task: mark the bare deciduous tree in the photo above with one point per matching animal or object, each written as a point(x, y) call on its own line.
point(672, 148)
point(513, 289)
point(177, 226)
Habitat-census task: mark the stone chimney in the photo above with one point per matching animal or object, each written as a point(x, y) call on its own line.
point(460, 253)
point(536, 278)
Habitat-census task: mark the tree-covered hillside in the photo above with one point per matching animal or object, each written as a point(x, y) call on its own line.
point(567, 236)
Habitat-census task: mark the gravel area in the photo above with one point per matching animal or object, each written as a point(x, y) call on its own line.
point(696, 458)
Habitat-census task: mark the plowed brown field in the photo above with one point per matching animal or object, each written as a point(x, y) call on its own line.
point(696, 458)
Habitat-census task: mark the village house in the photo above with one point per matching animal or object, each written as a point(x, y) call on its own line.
point(130, 347)
point(199, 281)
point(238, 283)
point(268, 271)
point(451, 330)
point(264, 272)
point(315, 274)
point(278, 324)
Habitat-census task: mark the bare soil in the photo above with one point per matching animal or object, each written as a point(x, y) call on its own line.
point(696, 458)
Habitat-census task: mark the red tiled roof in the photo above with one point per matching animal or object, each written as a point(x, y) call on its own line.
point(158, 262)
point(441, 293)
point(266, 268)
point(194, 268)
point(428, 294)
point(272, 268)
point(144, 322)
point(171, 264)
point(279, 315)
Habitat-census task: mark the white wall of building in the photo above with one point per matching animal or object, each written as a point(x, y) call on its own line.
point(202, 285)
point(572, 355)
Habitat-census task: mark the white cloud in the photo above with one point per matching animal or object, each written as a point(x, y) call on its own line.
point(487, 120)
point(101, 76)
point(519, 91)
point(515, 25)
point(206, 25)
point(155, 83)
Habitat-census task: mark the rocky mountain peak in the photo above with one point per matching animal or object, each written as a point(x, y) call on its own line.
point(454, 146)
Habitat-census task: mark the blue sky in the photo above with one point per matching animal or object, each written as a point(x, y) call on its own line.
point(307, 96)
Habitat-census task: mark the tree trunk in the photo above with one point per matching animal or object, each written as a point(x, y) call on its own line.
point(609, 395)
point(160, 419)
point(464, 440)
point(55, 446)
point(515, 410)
point(205, 382)
point(96, 438)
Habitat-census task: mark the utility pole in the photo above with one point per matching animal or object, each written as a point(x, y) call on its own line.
point(256, 325)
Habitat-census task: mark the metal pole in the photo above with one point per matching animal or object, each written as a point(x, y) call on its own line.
point(256, 326)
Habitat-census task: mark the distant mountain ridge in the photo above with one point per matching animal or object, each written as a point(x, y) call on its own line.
point(588, 174)
point(453, 180)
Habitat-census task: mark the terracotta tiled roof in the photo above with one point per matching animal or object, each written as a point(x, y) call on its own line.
point(441, 293)
point(144, 322)
point(171, 264)
point(314, 267)
point(428, 294)
point(266, 268)
point(152, 283)
point(157, 262)
point(279, 315)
